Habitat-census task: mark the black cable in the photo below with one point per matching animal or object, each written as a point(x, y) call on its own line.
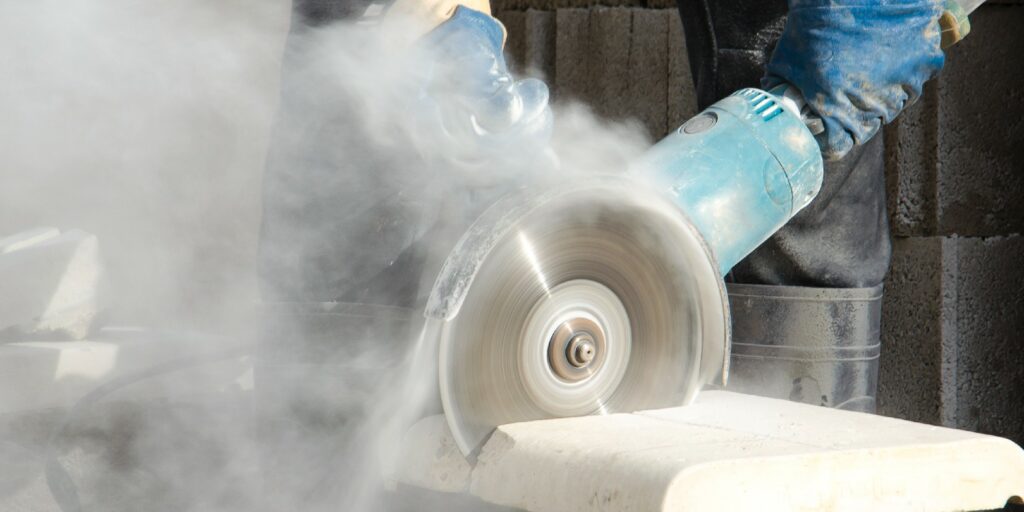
point(59, 481)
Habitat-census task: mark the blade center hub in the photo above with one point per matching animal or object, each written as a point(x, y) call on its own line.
point(576, 349)
point(581, 350)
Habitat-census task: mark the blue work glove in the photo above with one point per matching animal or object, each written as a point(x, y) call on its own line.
point(481, 109)
point(858, 63)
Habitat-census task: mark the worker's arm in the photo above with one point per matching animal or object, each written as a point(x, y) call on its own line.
point(858, 63)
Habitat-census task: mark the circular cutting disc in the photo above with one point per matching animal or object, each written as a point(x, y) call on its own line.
point(590, 301)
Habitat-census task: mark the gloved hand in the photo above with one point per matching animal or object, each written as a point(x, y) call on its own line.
point(858, 63)
point(481, 109)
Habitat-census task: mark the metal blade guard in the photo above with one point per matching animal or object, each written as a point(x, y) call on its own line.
point(607, 296)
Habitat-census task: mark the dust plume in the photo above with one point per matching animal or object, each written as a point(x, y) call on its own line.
point(272, 203)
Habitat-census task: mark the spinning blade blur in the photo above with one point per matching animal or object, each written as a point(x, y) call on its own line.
point(590, 300)
point(605, 295)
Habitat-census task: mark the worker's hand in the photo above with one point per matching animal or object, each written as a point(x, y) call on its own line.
point(858, 63)
point(481, 109)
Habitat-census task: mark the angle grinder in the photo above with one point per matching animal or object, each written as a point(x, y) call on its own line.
point(607, 296)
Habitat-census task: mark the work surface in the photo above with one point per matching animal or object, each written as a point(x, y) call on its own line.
point(725, 452)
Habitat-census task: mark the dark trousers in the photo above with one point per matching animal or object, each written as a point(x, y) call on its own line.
point(344, 214)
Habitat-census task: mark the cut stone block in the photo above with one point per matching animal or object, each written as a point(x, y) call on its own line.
point(737, 452)
point(52, 283)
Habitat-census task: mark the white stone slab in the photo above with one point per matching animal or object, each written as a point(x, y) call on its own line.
point(738, 452)
point(51, 283)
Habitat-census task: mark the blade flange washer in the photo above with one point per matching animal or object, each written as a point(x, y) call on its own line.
point(577, 349)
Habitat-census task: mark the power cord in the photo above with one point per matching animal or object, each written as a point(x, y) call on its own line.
point(59, 481)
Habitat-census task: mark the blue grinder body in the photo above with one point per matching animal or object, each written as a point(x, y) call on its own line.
point(739, 170)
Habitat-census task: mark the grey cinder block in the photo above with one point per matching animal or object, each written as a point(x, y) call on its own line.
point(620, 62)
point(530, 46)
point(539, 44)
point(647, 94)
point(952, 329)
point(990, 336)
point(981, 164)
point(625, 63)
point(661, 4)
point(919, 300)
point(911, 162)
point(515, 48)
point(551, 5)
point(571, 47)
point(682, 97)
point(955, 157)
point(608, 77)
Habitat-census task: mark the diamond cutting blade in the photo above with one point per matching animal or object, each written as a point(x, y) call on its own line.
point(593, 300)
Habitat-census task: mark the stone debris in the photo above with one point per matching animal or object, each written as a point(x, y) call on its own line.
point(431, 459)
point(52, 284)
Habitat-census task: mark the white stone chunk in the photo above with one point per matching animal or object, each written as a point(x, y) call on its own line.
point(737, 452)
point(431, 459)
point(36, 375)
point(51, 283)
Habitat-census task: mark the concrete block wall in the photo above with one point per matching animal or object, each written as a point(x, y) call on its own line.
point(953, 331)
point(953, 327)
point(625, 62)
